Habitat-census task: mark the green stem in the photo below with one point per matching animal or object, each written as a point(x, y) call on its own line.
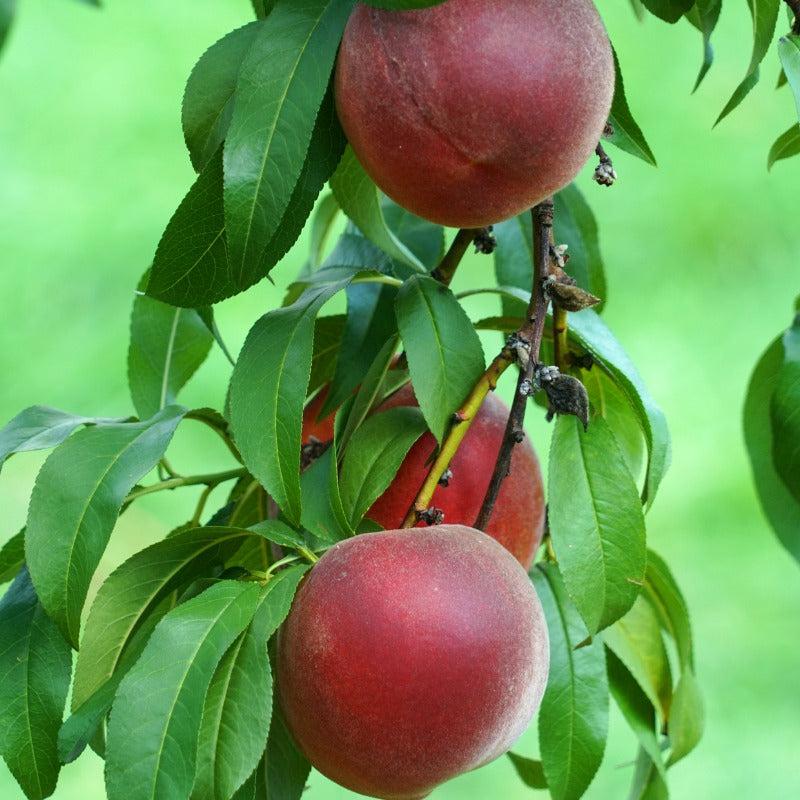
point(452, 258)
point(210, 479)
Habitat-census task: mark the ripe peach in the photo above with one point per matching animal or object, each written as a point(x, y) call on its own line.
point(470, 112)
point(410, 657)
point(517, 521)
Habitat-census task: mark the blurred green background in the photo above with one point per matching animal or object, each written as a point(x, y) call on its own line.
point(702, 258)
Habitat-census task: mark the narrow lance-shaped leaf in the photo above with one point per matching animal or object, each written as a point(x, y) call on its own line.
point(779, 504)
point(668, 10)
point(704, 16)
point(627, 135)
point(687, 717)
point(596, 521)
point(591, 333)
point(374, 455)
point(789, 52)
point(238, 706)
point(360, 199)
point(764, 14)
point(573, 718)
point(281, 83)
point(35, 666)
point(12, 557)
point(785, 146)
point(41, 427)
point(167, 345)
point(152, 747)
point(785, 413)
point(135, 588)
point(445, 356)
point(283, 772)
point(75, 503)
point(267, 392)
point(323, 514)
point(7, 9)
point(210, 92)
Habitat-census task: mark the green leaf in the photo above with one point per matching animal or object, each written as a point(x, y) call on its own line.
point(627, 134)
point(283, 772)
point(370, 322)
point(154, 724)
point(764, 14)
point(135, 589)
point(210, 93)
point(704, 16)
point(374, 455)
point(167, 345)
point(74, 506)
point(592, 334)
point(279, 532)
point(237, 708)
point(636, 640)
point(648, 784)
point(789, 52)
point(35, 666)
point(267, 393)
point(323, 514)
point(785, 146)
point(573, 718)
point(596, 521)
point(513, 260)
point(668, 10)
point(281, 84)
point(328, 332)
point(784, 406)
point(665, 596)
point(445, 356)
point(780, 506)
point(423, 238)
point(12, 557)
point(325, 215)
point(360, 199)
point(41, 427)
point(687, 717)
point(636, 707)
point(576, 226)
point(531, 772)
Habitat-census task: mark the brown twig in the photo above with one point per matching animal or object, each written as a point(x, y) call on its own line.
point(532, 332)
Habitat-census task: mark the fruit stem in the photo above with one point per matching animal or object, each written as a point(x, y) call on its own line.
point(447, 267)
point(532, 331)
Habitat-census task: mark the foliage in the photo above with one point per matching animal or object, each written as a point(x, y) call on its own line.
point(185, 622)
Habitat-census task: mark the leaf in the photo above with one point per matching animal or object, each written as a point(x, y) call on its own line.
point(627, 134)
point(35, 667)
point(704, 16)
point(764, 14)
point(40, 428)
point(423, 238)
point(668, 10)
point(647, 781)
point(283, 771)
point(573, 718)
point(784, 406)
point(167, 345)
point(267, 392)
point(326, 213)
point(531, 772)
point(369, 323)
point(12, 557)
point(374, 455)
point(360, 199)
point(210, 93)
point(74, 506)
point(576, 226)
point(154, 724)
point(687, 718)
point(636, 707)
point(636, 640)
point(513, 260)
point(323, 514)
point(665, 596)
point(789, 52)
point(591, 333)
point(192, 267)
point(328, 332)
point(279, 532)
point(237, 708)
point(445, 356)
point(134, 589)
point(785, 146)
point(596, 521)
point(780, 507)
point(280, 87)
